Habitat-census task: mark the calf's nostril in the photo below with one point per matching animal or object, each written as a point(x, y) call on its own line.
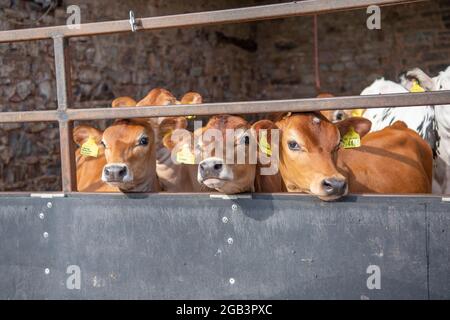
point(106, 172)
point(123, 172)
point(327, 184)
point(334, 186)
point(218, 166)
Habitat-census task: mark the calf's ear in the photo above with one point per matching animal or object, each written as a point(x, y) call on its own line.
point(178, 138)
point(171, 123)
point(264, 125)
point(361, 125)
point(168, 126)
point(157, 97)
point(417, 76)
point(82, 133)
point(191, 98)
point(123, 102)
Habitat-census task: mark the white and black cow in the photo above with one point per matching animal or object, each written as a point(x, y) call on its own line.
point(418, 118)
point(441, 175)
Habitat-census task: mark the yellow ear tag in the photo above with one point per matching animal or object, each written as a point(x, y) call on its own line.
point(168, 133)
point(264, 146)
point(416, 87)
point(89, 148)
point(357, 112)
point(185, 156)
point(351, 139)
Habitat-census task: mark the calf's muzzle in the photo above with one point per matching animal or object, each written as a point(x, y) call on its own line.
point(115, 172)
point(334, 186)
point(210, 168)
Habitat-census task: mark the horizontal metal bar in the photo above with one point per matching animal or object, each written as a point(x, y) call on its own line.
point(297, 105)
point(265, 12)
point(294, 105)
point(29, 116)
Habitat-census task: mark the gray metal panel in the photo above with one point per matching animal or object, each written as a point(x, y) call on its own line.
point(439, 250)
point(23, 249)
point(154, 246)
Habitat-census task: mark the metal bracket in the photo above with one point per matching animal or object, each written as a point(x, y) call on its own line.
point(133, 22)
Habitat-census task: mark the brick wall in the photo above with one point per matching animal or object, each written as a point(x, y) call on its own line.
point(251, 61)
point(350, 55)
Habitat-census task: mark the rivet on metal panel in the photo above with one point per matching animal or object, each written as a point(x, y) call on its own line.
point(234, 207)
point(47, 271)
point(41, 215)
point(225, 220)
point(230, 240)
point(49, 205)
point(45, 234)
point(232, 281)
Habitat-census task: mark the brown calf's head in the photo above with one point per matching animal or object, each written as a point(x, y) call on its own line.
point(213, 169)
point(157, 97)
point(308, 146)
point(227, 153)
point(130, 156)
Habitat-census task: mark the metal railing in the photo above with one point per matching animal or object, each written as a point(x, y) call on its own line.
point(65, 115)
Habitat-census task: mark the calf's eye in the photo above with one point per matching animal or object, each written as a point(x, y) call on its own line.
point(103, 144)
point(294, 146)
point(143, 141)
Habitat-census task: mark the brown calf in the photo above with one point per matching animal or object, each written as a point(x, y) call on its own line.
point(393, 160)
point(213, 170)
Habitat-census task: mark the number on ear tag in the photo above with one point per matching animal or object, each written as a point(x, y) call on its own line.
point(351, 139)
point(89, 148)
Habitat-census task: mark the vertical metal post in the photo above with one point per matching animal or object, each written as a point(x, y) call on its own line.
point(316, 54)
point(64, 95)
